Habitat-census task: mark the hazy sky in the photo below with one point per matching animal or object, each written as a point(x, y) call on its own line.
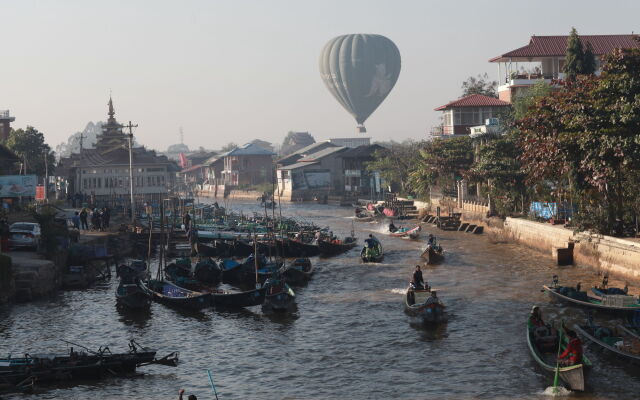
point(238, 70)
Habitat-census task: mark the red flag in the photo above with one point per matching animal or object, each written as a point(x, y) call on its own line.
point(183, 161)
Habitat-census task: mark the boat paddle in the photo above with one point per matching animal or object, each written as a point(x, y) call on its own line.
point(212, 385)
point(555, 390)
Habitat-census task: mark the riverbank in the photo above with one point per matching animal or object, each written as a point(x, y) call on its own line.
point(605, 254)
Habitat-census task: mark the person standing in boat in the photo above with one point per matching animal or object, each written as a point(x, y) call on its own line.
point(432, 240)
point(191, 396)
point(417, 280)
point(572, 355)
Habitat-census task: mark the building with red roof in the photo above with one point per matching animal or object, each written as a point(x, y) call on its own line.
point(544, 58)
point(473, 110)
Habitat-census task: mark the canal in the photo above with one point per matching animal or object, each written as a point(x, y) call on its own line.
point(350, 338)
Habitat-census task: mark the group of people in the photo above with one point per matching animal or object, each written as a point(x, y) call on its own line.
point(546, 339)
point(99, 219)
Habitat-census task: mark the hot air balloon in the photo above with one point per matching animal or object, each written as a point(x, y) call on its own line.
point(360, 70)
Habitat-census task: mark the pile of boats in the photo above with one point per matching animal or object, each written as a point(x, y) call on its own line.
point(621, 340)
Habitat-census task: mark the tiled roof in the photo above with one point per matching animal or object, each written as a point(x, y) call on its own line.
point(249, 149)
point(556, 46)
point(362, 151)
point(305, 150)
point(474, 100)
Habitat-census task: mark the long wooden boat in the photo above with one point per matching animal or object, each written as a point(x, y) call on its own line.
point(230, 299)
point(296, 248)
point(573, 376)
point(615, 341)
point(237, 273)
point(171, 294)
point(207, 271)
point(299, 272)
point(78, 365)
point(328, 249)
point(280, 298)
point(602, 293)
point(611, 303)
point(432, 254)
point(417, 303)
point(131, 296)
point(374, 255)
point(206, 250)
point(402, 232)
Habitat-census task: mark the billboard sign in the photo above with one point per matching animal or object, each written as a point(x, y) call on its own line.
point(18, 185)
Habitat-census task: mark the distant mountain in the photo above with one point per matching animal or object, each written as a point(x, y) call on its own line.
point(295, 141)
point(73, 143)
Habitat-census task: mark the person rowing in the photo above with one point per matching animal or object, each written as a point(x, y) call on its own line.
point(392, 227)
point(417, 281)
point(572, 355)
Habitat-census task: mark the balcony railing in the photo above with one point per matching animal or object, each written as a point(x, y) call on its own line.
point(353, 173)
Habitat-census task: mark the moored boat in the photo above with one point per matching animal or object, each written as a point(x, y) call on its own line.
point(207, 271)
point(171, 294)
point(280, 298)
point(332, 248)
point(131, 296)
point(425, 304)
point(575, 296)
point(299, 271)
point(402, 232)
point(231, 299)
point(617, 341)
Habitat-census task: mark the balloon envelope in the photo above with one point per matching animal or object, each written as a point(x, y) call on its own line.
point(360, 70)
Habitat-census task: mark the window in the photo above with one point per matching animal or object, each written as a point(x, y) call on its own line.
point(100, 182)
point(148, 181)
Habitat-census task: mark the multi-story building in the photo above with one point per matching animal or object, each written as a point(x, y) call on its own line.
point(5, 125)
point(103, 172)
point(544, 58)
point(462, 114)
point(247, 166)
point(358, 179)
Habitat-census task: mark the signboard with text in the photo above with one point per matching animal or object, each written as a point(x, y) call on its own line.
point(18, 185)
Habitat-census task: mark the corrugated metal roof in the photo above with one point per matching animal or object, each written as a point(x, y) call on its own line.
point(322, 153)
point(249, 149)
point(556, 46)
point(298, 165)
point(474, 100)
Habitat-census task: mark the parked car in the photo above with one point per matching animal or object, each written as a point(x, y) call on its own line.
point(24, 234)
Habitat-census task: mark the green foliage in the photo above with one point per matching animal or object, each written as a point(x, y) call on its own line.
point(395, 162)
point(585, 138)
point(29, 145)
point(578, 61)
point(480, 85)
point(442, 162)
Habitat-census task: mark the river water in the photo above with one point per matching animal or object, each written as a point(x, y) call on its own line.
point(349, 339)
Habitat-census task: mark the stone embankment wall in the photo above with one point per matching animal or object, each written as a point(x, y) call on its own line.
point(618, 257)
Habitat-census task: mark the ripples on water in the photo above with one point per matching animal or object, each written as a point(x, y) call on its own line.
point(350, 338)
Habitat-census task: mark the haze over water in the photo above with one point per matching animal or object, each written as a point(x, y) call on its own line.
point(350, 338)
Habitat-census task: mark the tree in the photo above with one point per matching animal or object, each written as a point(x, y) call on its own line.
point(29, 145)
point(294, 141)
point(480, 85)
point(442, 162)
point(228, 147)
point(578, 60)
point(586, 135)
point(395, 162)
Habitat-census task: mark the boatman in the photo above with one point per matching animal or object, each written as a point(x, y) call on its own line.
point(392, 227)
point(572, 355)
point(417, 281)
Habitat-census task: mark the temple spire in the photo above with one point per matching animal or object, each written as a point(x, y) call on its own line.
point(111, 111)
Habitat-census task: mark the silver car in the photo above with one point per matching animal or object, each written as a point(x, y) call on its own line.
point(24, 234)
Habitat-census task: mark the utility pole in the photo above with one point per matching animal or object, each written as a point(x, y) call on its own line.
point(46, 177)
point(80, 183)
point(133, 204)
